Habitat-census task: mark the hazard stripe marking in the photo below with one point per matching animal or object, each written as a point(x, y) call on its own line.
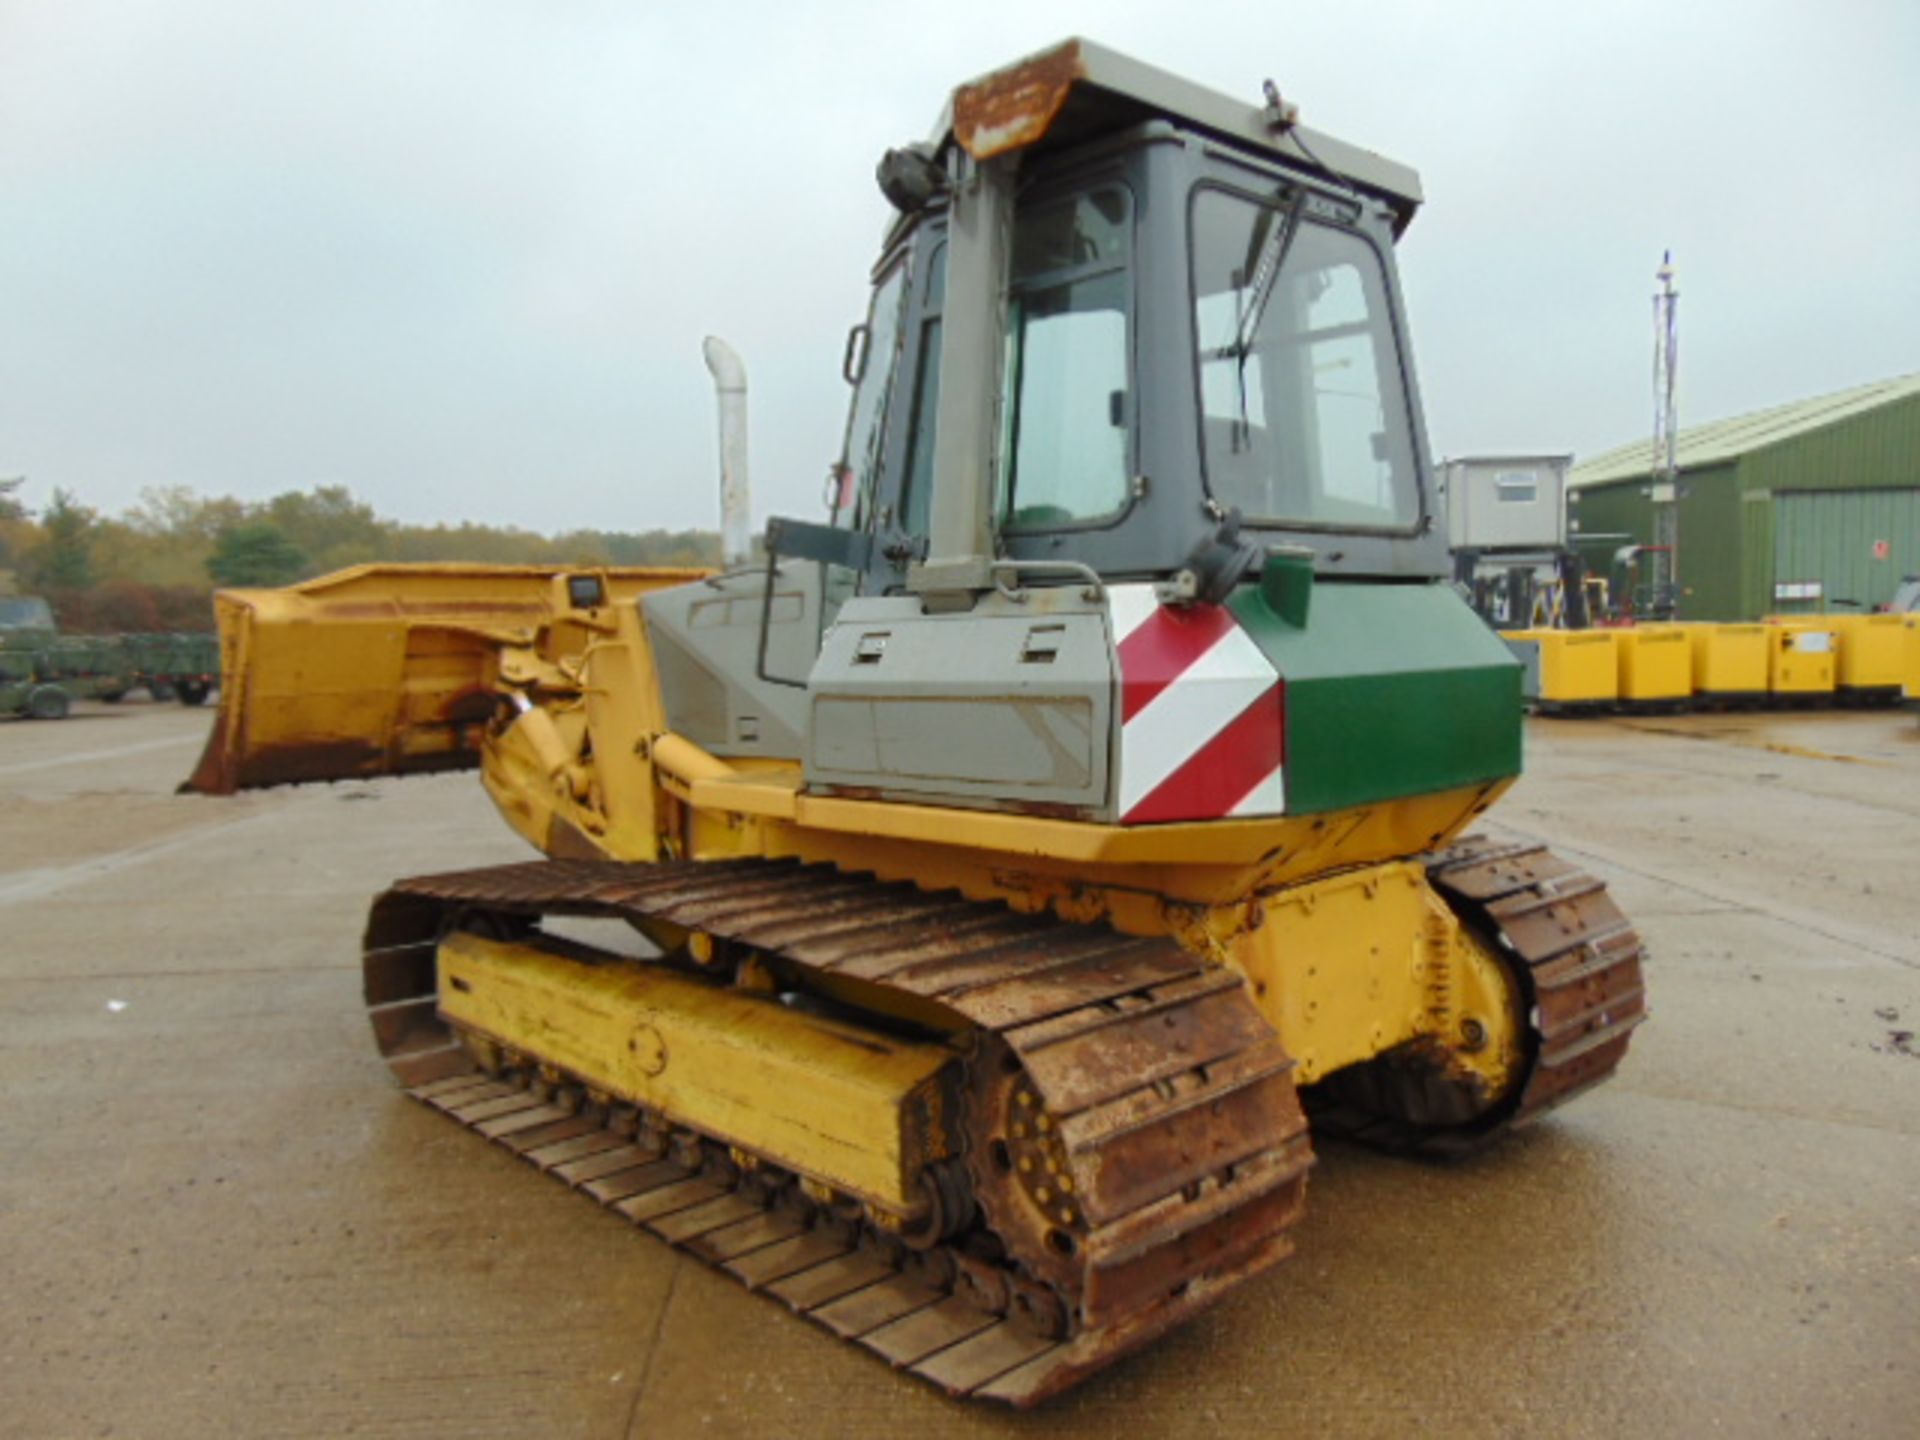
point(1202, 713)
point(1269, 797)
point(1224, 773)
point(1131, 607)
point(1161, 650)
point(1180, 721)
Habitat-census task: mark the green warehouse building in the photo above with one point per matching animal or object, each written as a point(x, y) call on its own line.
point(1803, 507)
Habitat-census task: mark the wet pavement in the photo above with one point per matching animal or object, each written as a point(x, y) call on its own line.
point(218, 1218)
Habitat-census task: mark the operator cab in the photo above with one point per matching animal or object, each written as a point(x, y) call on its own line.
point(1134, 444)
point(1200, 355)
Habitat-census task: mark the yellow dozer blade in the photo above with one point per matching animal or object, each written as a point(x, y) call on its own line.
point(381, 669)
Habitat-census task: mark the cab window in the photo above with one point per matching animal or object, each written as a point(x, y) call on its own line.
point(1303, 404)
point(1067, 418)
point(916, 502)
point(877, 353)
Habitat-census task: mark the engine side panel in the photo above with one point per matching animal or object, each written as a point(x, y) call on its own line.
point(1009, 704)
point(706, 641)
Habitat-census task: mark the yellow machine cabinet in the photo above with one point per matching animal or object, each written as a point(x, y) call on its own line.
point(1800, 657)
point(1872, 657)
point(1566, 670)
point(1911, 684)
point(1655, 666)
point(1729, 661)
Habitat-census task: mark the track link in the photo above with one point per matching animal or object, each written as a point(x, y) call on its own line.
point(1577, 960)
point(1169, 1111)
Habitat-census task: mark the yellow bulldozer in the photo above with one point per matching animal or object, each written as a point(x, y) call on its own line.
point(956, 918)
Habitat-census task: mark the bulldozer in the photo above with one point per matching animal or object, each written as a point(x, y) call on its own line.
point(958, 917)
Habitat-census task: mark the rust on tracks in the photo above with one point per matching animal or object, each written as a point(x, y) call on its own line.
point(1577, 961)
point(1138, 1073)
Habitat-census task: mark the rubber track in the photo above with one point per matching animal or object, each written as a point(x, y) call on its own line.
point(1578, 960)
point(1173, 1098)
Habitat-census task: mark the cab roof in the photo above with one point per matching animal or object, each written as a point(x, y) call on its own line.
point(1078, 89)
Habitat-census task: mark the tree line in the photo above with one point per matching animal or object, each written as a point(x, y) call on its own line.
point(156, 565)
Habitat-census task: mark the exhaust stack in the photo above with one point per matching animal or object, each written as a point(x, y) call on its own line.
point(730, 390)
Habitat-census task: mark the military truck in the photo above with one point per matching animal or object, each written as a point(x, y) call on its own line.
point(84, 667)
point(27, 633)
point(25, 620)
point(23, 692)
point(171, 666)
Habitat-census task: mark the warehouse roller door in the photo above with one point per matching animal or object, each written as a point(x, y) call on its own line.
point(1854, 544)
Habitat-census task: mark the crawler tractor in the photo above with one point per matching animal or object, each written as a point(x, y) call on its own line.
point(956, 922)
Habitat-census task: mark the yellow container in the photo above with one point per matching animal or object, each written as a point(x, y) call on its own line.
point(1566, 669)
point(1800, 656)
point(1872, 655)
point(1729, 661)
point(1655, 665)
point(1911, 624)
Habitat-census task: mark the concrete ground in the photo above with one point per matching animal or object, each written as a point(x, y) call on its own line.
point(217, 1216)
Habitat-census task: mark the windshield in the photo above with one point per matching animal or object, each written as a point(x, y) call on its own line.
point(1303, 408)
point(25, 612)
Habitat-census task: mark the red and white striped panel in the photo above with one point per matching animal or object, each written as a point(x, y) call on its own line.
point(1201, 713)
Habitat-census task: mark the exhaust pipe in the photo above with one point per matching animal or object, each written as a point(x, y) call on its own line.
point(730, 390)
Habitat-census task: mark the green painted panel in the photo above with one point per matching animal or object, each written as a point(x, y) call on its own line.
point(1731, 537)
point(1712, 556)
point(1598, 515)
point(1874, 449)
point(1391, 690)
point(1710, 550)
point(1834, 537)
point(1756, 555)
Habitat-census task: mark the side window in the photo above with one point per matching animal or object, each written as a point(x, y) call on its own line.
point(877, 357)
point(916, 501)
point(1065, 446)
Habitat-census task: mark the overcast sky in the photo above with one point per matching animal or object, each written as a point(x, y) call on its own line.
point(459, 256)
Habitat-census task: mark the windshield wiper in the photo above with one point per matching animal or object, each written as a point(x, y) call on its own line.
point(1269, 256)
point(1272, 255)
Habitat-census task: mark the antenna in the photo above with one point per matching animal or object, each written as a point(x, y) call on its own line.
point(1665, 490)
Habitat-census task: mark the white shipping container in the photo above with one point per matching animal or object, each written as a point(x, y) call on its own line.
point(1506, 502)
